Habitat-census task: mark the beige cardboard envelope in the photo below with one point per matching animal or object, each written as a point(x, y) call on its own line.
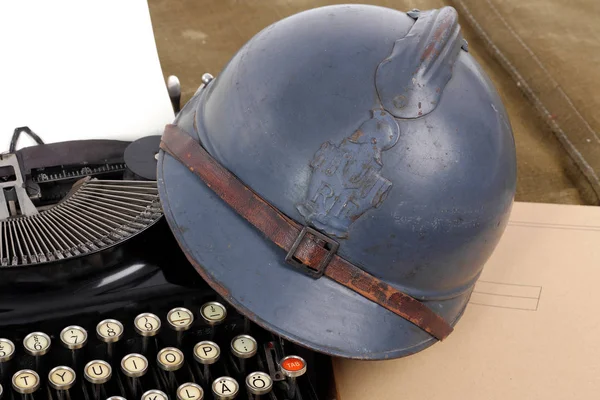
point(531, 330)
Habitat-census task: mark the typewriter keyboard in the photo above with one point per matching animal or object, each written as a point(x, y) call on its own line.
point(201, 351)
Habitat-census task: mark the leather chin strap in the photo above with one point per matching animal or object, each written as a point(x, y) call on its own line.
point(307, 249)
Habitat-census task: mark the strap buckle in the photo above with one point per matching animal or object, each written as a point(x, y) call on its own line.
point(330, 245)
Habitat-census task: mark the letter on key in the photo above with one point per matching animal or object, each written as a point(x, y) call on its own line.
point(225, 388)
point(259, 383)
point(190, 391)
point(154, 395)
point(25, 381)
point(61, 378)
point(134, 365)
point(97, 372)
point(207, 352)
point(170, 359)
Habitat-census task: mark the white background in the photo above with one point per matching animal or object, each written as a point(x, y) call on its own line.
point(80, 70)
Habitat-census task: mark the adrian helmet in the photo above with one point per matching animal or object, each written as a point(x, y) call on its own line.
point(344, 179)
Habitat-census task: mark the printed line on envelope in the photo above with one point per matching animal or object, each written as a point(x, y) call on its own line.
point(506, 295)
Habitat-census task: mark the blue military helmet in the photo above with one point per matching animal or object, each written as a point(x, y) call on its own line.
point(376, 131)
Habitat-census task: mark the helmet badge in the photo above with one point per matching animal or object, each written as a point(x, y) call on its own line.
point(345, 180)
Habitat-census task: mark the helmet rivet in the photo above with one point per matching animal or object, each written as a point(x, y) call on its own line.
point(206, 78)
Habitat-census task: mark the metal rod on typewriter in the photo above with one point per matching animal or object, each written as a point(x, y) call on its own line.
point(129, 194)
point(117, 203)
point(148, 188)
point(113, 196)
point(115, 215)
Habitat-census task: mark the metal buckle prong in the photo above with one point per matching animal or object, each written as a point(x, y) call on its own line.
point(330, 245)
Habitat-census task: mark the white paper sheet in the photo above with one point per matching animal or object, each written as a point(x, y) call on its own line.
point(80, 70)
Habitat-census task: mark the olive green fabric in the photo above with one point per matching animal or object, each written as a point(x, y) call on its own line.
point(194, 37)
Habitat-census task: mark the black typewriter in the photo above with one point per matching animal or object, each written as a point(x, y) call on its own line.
point(97, 301)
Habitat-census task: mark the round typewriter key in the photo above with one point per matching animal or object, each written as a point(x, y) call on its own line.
point(109, 330)
point(36, 344)
point(134, 365)
point(180, 319)
point(25, 381)
point(7, 350)
point(243, 346)
point(190, 391)
point(74, 337)
point(293, 366)
point(207, 352)
point(61, 378)
point(259, 383)
point(225, 388)
point(213, 312)
point(170, 359)
point(97, 372)
point(116, 398)
point(147, 324)
point(154, 395)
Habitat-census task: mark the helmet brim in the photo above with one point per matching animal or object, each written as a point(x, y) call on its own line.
point(250, 273)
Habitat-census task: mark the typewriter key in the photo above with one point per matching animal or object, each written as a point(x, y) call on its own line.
point(61, 379)
point(225, 388)
point(36, 344)
point(242, 347)
point(190, 391)
point(170, 360)
point(25, 381)
point(180, 319)
point(97, 372)
point(213, 313)
point(154, 395)
point(134, 366)
point(116, 398)
point(206, 353)
point(258, 384)
point(293, 367)
point(147, 325)
point(109, 331)
point(7, 351)
point(74, 338)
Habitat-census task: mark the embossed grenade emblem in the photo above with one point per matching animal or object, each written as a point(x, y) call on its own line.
point(345, 180)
